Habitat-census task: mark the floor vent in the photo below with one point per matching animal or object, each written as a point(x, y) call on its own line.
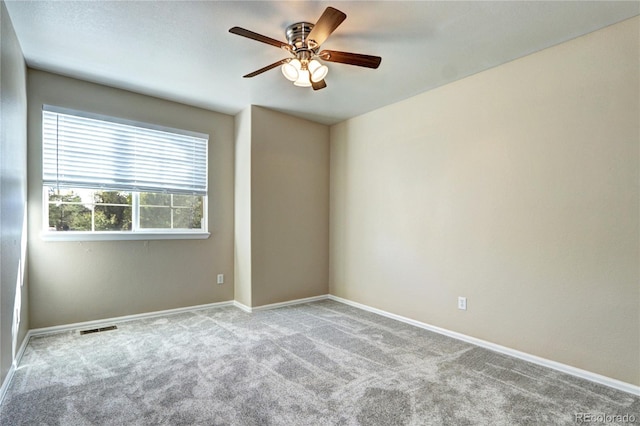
point(98, 330)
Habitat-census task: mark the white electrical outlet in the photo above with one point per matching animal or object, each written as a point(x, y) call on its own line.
point(462, 303)
point(220, 278)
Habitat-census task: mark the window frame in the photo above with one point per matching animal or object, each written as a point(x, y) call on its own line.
point(136, 232)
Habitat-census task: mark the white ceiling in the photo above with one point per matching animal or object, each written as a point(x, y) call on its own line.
point(182, 50)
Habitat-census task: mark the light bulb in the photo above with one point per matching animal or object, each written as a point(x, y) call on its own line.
point(291, 69)
point(317, 70)
point(303, 79)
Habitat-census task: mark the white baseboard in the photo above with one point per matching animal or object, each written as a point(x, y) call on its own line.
point(289, 303)
point(6, 382)
point(564, 368)
point(109, 321)
point(14, 365)
point(279, 304)
point(241, 306)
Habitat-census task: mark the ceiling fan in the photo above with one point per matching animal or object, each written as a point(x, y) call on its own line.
point(305, 68)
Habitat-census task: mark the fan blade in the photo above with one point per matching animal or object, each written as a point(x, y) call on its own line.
point(357, 59)
point(259, 37)
point(267, 68)
point(318, 85)
point(330, 20)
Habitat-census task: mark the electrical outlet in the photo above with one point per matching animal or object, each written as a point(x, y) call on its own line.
point(220, 278)
point(462, 303)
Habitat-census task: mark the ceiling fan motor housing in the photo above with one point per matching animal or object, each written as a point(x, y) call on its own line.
point(297, 36)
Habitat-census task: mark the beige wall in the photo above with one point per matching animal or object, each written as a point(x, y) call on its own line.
point(282, 238)
point(517, 188)
point(14, 321)
point(290, 207)
point(80, 281)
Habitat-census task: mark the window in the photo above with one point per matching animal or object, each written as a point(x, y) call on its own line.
point(106, 178)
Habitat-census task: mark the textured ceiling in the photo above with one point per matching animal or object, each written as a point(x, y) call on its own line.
point(183, 51)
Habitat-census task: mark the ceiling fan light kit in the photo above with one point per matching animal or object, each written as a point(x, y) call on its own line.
point(317, 70)
point(291, 69)
point(295, 71)
point(304, 69)
point(303, 79)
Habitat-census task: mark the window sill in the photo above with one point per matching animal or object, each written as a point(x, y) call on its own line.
point(122, 236)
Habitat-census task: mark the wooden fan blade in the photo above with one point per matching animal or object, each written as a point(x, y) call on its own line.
point(357, 59)
point(318, 85)
point(267, 68)
point(330, 20)
point(259, 37)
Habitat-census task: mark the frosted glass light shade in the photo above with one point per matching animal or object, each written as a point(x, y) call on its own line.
point(303, 79)
point(291, 70)
point(317, 71)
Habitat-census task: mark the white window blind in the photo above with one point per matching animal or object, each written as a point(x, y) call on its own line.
point(82, 150)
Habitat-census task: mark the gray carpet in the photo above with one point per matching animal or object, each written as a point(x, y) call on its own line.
point(322, 363)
